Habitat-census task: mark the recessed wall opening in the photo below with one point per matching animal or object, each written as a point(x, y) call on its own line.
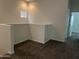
point(74, 25)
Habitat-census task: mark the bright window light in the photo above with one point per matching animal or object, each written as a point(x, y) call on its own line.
point(23, 14)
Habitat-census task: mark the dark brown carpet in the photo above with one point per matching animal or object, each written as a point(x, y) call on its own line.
point(51, 50)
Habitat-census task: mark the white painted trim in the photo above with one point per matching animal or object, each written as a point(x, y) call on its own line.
point(39, 41)
point(1, 55)
point(10, 52)
point(4, 25)
point(59, 40)
point(40, 24)
point(20, 41)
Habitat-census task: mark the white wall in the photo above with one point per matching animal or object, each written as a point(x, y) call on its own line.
point(20, 32)
point(10, 11)
point(50, 33)
point(38, 32)
point(5, 39)
point(50, 12)
point(40, 12)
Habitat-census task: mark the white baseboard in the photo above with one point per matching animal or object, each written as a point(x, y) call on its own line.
point(59, 40)
point(10, 52)
point(1, 55)
point(20, 41)
point(38, 41)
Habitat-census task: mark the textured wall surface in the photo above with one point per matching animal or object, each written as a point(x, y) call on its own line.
point(21, 32)
point(5, 39)
point(38, 32)
point(50, 33)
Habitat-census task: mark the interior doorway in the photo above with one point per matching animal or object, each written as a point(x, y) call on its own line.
point(74, 25)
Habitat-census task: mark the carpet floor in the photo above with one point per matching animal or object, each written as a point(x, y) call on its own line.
point(50, 50)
